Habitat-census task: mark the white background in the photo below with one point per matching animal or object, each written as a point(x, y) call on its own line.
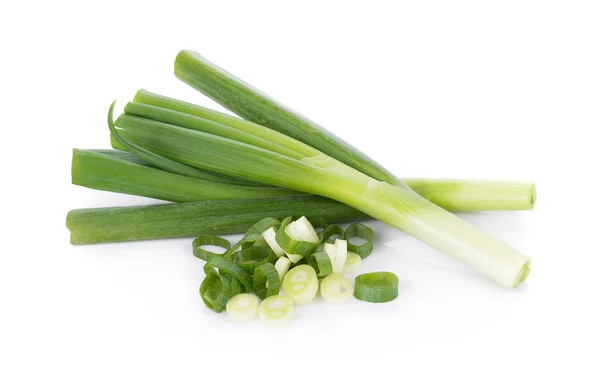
point(491, 90)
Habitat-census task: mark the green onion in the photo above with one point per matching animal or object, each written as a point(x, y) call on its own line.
point(396, 205)
point(200, 242)
point(122, 172)
point(292, 241)
point(376, 287)
point(321, 263)
point(276, 310)
point(242, 308)
point(337, 252)
point(301, 283)
point(252, 257)
point(352, 263)
point(191, 219)
point(450, 194)
point(282, 265)
point(335, 288)
point(359, 230)
point(266, 281)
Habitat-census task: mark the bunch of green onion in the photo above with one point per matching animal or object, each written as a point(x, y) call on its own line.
point(225, 174)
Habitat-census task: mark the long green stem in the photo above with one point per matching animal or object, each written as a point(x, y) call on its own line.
point(191, 219)
point(123, 172)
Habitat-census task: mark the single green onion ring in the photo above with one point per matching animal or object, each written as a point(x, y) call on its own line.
point(291, 246)
point(321, 262)
point(361, 231)
point(252, 257)
point(376, 287)
point(252, 235)
point(200, 242)
point(225, 266)
point(216, 290)
point(266, 281)
point(332, 230)
point(319, 223)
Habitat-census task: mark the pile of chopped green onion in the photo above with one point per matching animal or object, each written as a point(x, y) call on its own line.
point(289, 256)
point(286, 183)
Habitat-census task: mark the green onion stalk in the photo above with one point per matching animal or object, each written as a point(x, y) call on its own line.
point(243, 152)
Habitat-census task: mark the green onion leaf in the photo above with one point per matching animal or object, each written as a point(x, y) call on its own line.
point(199, 243)
point(376, 287)
point(321, 263)
point(252, 257)
point(361, 231)
point(226, 266)
point(266, 281)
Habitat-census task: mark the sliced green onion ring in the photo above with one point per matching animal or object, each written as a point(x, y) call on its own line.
point(252, 257)
point(301, 283)
point(352, 263)
point(376, 287)
point(332, 230)
point(321, 263)
point(216, 289)
point(253, 234)
point(361, 231)
point(269, 236)
point(266, 281)
point(283, 266)
point(199, 243)
point(337, 252)
point(226, 266)
point(276, 310)
point(336, 288)
point(242, 308)
point(319, 223)
point(293, 244)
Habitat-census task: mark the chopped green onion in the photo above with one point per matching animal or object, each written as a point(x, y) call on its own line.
point(301, 284)
point(225, 266)
point(330, 231)
point(266, 281)
point(283, 266)
point(276, 310)
point(200, 242)
point(252, 257)
point(305, 230)
point(352, 263)
point(269, 236)
point(335, 288)
point(376, 287)
point(242, 308)
point(361, 231)
point(321, 263)
point(291, 240)
point(337, 252)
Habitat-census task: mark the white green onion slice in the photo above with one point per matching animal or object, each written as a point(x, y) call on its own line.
point(291, 239)
point(276, 310)
point(266, 281)
point(336, 288)
point(301, 284)
point(305, 230)
point(269, 236)
point(337, 252)
point(376, 287)
point(242, 308)
point(352, 263)
point(199, 243)
point(283, 266)
point(321, 263)
point(361, 231)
